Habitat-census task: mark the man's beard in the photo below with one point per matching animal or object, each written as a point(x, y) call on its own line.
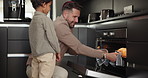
point(71, 26)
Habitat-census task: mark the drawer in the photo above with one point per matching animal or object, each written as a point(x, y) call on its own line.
point(16, 67)
point(19, 47)
point(137, 30)
point(3, 39)
point(3, 65)
point(18, 33)
point(137, 53)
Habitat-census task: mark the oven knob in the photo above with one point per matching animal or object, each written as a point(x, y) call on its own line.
point(127, 64)
point(134, 65)
point(80, 76)
point(105, 33)
point(111, 33)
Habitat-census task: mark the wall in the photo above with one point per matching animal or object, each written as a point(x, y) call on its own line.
point(29, 10)
point(59, 4)
point(139, 5)
point(93, 6)
point(1, 11)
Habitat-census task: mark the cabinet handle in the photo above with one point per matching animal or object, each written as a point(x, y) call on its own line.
point(17, 55)
point(112, 33)
point(105, 33)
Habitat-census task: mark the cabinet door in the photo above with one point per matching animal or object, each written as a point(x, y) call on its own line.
point(76, 32)
point(18, 40)
point(87, 37)
point(20, 46)
point(3, 51)
point(137, 30)
point(17, 67)
point(20, 33)
point(137, 53)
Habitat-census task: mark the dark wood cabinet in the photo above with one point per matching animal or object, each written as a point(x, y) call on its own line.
point(137, 30)
point(137, 41)
point(137, 53)
point(17, 67)
point(18, 48)
point(137, 44)
point(19, 33)
point(14, 47)
point(3, 52)
point(87, 36)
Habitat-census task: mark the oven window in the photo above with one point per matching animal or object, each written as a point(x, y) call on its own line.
point(111, 44)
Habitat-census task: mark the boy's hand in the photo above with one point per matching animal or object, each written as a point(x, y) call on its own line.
point(58, 57)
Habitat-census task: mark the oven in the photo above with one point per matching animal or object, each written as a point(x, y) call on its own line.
point(112, 40)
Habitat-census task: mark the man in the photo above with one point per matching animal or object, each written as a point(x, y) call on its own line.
point(68, 42)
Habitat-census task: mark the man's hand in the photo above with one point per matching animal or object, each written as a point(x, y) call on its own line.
point(58, 57)
point(111, 56)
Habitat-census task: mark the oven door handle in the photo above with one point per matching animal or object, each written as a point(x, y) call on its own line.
point(99, 74)
point(100, 40)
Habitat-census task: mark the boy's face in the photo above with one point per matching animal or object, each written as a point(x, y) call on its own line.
point(47, 7)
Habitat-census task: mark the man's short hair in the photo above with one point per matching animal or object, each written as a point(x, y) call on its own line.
point(69, 5)
point(37, 3)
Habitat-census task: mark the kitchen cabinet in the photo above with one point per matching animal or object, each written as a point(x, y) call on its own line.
point(18, 40)
point(137, 41)
point(137, 47)
point(137, 30)
point(18, 50)
point(137, 53)
point(87, 36)
point(14, 50)
point(17, 67)
point(3, 52)
point(19, 33)
point(76, 32)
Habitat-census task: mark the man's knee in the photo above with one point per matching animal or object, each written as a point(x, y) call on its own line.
point(28, 71)
point(60, 72)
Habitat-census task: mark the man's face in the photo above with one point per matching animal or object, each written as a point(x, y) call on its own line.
point(72, 17)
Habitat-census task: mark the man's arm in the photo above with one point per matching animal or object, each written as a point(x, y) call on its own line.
point(70, 51)
point(66, 36)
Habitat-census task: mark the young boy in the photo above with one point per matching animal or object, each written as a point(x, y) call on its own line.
point(43, 41)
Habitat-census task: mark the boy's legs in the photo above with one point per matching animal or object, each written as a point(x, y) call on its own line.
point(47, 65)
point(44, 67)
point(35, 70)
